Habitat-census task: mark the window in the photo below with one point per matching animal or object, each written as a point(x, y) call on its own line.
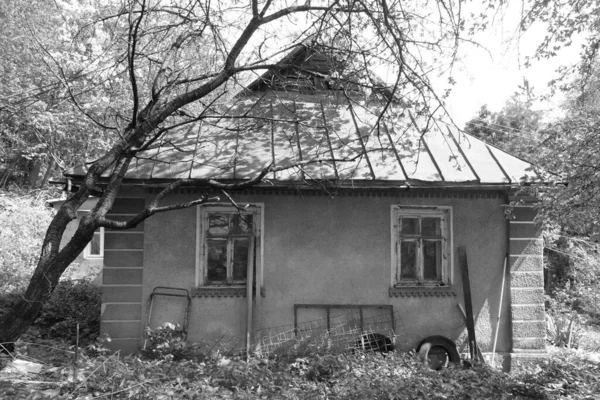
point(229, 241)
point(95, 248)
point(422, 246)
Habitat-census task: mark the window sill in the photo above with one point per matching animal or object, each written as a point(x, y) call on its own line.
point(422, 291)
point(222, 291)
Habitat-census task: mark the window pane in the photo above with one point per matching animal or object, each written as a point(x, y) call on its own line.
point(432, 226)
point(410, 226)
point(432, 260)
point(241, 250)
point(95, 244)
point(241, 223)
point(218, 224)
point(216, 261)
point(408, 260)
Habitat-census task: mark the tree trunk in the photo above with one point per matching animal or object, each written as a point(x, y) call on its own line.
point(34, 172)
point(48, 173)
point(53, 260)
point(51, 265)
point(8, 171)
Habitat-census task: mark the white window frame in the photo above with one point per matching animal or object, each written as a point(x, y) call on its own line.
point(203, 211)
point(87, 252)
point(444, 212)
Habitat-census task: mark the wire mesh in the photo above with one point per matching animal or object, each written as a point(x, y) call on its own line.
point(340, 333)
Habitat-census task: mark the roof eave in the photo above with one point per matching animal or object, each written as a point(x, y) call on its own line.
point(331, 183)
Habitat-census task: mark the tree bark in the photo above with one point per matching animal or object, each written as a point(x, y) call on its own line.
point(50, 267)
point(48, 173)
point(34, 173)
point(53, 260)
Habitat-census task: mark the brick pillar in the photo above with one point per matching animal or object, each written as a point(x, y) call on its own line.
point(526, 282)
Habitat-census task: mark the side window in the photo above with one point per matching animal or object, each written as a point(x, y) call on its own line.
point(229, 241)
point(422, 246)
point(95, 248)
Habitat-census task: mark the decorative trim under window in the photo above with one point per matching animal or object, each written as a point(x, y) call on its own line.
point(422, 292)
point(207, 291)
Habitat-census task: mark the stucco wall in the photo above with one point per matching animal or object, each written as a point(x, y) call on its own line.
point(336, 250)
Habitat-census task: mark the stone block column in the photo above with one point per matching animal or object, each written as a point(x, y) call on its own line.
point(122, 279)
point(526, 281)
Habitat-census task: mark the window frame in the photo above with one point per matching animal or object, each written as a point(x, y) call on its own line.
point(445, 212)
point(87, 251)
point(203, 212)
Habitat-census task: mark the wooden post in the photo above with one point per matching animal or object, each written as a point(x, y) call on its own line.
point(499, 310)
point(464, 269)
point(249, 283)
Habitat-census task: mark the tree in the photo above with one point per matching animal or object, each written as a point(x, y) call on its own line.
point(569, 144)
point(170, 63)
point(40, 128)
point(514, 128)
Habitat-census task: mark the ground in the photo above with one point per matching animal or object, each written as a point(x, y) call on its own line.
point(44, 369)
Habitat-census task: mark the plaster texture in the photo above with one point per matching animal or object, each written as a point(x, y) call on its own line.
point(525, 230)
point(337, 250)
point(526, 263)
point(529, 329)
point(527, 246)
point(528, 312)
point(528, 295)
point(528, 344)
point(527, 279)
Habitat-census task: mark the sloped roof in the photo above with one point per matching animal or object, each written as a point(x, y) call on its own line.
point(324, 135)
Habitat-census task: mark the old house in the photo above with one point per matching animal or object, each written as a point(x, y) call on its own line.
point(365, 224)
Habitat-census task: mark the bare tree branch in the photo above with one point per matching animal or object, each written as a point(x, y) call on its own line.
point(131, 45)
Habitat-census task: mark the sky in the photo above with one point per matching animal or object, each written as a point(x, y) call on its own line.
point(490, 76)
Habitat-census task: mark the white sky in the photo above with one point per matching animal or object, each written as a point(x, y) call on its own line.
point(491, 77)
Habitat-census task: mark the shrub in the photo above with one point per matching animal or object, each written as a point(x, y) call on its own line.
point(563, 330)
point(165, 342)
point(24, 219)
point(72, 302)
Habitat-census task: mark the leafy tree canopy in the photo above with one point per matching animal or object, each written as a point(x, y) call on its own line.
point(514, 128)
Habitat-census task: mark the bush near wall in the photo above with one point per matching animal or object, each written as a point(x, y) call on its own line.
point(72, 303)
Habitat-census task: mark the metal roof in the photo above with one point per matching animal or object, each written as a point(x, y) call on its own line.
point(332, 137)
point(297, 118)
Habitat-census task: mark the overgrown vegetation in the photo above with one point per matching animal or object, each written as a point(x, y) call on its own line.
point(566, 374)
point(24, 218)
point(71, 303)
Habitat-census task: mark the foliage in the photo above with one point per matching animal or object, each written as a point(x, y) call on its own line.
point(573, 275)
point(565, 23)
point(38, 125)
point(513, 129)
point(563, 330)
point(566, 373)
point(165, 342)
point(72, 303)
point(24, 218)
